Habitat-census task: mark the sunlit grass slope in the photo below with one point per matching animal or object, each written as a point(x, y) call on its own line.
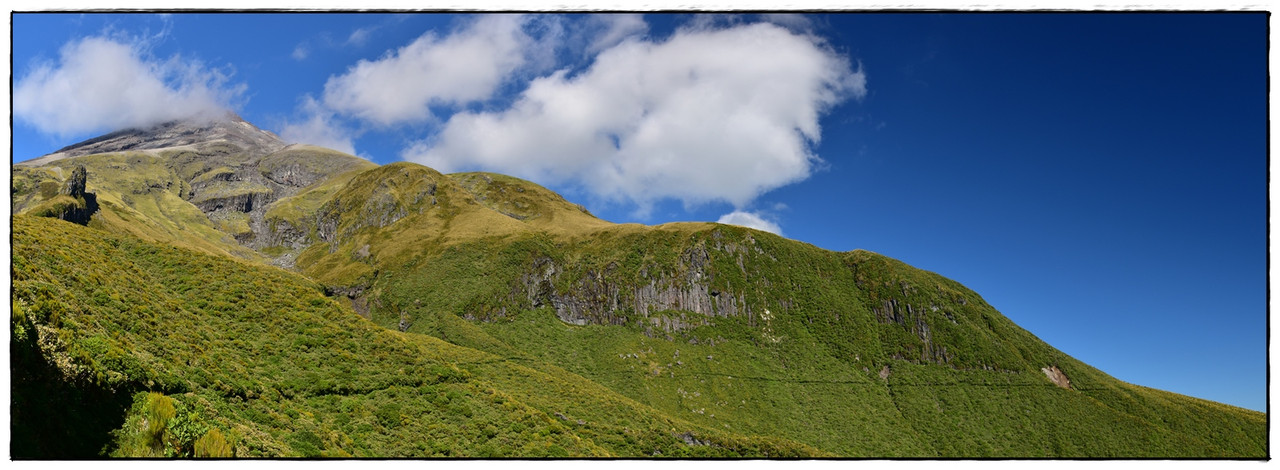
point(138, 194)
point(738, 330)
point(128, 348)
point(501, 319)
point(156, 195)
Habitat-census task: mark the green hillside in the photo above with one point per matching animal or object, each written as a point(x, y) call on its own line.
point(421, 314)
point(131, 348)
point(741, 330)
point(201, 198)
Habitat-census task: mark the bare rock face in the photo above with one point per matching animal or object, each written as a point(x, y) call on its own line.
point(245, 202)
point(282, 233)
point(1056, 376)
point(291, 175)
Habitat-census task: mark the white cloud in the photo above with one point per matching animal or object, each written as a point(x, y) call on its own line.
point(301, 52)
point(793, 21)
point(99, 84)
point(320, 127)
point(464, 67)
point(750, 220)
point(708, 115)
point(611, 29)
point(360, 36)
point(713, 21)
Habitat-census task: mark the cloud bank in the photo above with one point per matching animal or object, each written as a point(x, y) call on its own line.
point(705, 116)
point(99, 84)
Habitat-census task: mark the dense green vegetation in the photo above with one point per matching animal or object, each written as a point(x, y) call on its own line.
point(476, 314)
point(215, 355)
point(972, 386)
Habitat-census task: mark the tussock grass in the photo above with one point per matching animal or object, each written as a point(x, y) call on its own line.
point(260, 356)
point(818, 353)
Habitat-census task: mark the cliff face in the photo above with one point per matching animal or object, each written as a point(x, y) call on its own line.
point(600, 296)
point(247, 186)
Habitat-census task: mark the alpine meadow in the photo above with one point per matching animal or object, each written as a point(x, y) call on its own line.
point(187, 284)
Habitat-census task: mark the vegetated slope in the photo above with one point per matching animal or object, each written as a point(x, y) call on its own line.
point(676, 339)
point(129, 348)
point(740, 330)
point(220, 186)
point(399, 213)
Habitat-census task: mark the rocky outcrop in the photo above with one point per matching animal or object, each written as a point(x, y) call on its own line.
point(75, 184)
point(236, 198)
point(377, 212)
point(251, 185)
point(1056, 376)
point(690, 439)
point(357, 295)
point(295, 175)
point(665, 302)
point(282, 233)
point(247, 202)
point(86, 203)
point(914, 320)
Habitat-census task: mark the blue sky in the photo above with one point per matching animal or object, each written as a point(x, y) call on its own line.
point(1101, 179)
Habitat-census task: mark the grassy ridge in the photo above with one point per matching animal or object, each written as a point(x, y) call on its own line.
point(256, 358)
point(933, 369)
point(801, 386)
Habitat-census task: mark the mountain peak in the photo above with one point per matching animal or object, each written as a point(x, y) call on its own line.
point(196, 131)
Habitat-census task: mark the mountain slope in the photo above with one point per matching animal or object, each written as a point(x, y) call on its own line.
point(206, 185)
point(555, 332)
point(260, 355)
point(743, 330)
point(199, 135)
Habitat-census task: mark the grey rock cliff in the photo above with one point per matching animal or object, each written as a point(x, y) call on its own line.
point(667, 302)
